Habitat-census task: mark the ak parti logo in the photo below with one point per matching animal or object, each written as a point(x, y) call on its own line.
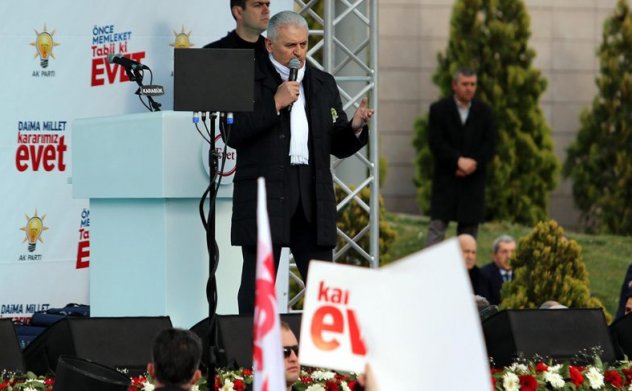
point(33, 230)
point(182, 39)
point(44, 44)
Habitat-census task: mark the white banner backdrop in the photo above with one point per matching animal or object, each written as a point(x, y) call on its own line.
point(54, 70)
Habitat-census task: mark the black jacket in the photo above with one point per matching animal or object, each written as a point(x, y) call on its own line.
point(491, 272)
point(454, 198)
point(233, 41)
point(262, 141)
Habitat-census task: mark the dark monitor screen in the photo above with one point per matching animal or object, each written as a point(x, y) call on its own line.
point(213, 79)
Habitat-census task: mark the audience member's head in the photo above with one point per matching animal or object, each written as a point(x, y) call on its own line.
point(175, 359)
point(485, 310)
point(628, 305)
point(468, 249)
point(290, 355)
point(552, 305)
point(503, 249)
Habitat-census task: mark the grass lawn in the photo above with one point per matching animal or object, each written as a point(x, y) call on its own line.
point(606, 256)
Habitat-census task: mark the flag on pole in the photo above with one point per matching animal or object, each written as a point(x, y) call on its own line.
point(267, 349)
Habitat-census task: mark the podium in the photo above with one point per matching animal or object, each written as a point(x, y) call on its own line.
point(144, 176)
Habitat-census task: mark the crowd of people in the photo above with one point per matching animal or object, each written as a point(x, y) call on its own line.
point(177, 353)
point(487, 281)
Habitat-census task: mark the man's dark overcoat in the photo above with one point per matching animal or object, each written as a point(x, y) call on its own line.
point(262, 141)
point(454, 198)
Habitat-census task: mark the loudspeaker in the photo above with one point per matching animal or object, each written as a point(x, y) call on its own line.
point(558, 334)
point(621, 333)
point(124, 343)
point(234, 334)
point(77, 374)
point(10, 353)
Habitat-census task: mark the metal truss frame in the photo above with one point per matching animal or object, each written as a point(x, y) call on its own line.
point(352, 60)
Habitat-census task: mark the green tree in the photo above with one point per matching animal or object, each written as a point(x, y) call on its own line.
point(491, 37)
point(548, 266)
point(599, 161)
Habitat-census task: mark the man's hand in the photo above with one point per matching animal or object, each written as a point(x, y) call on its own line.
point(466, 166)
point(286, 94)
point(362, 116)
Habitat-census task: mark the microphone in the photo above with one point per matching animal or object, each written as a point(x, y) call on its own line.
point(293, 65)
point(125, 62)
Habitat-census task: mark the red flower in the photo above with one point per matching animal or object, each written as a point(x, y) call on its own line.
point(239, 385)
point(612, 377)
point(4, 386)
point(576, 376)
point(218, 383)
point(628, 375)
point(541, 367)
point(528, 383)
point(331, 386)
point(246, 372)
point(493, 382)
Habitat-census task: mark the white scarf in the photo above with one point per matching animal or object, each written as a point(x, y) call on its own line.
point(299, 128)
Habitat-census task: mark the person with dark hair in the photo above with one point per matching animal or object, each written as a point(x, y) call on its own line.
point(462, 138)
point(626, 291)
point(175, 360)
point(251, 17)
point(288, 140)
point(499, 270)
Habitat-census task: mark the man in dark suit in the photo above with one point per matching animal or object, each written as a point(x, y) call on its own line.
point(462, 136)
point(499, 270)
point(288, 140)
point(480, 284)
point(251, 18)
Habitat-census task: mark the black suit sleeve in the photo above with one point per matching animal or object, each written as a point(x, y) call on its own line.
point(445, 154)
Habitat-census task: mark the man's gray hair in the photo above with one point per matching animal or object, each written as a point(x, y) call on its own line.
point(502, 239)
point(284, 18)
point(464, 71)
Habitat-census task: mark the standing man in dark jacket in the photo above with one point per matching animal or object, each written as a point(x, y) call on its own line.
point(251, 18)
point(288, 140)
point(462, 137)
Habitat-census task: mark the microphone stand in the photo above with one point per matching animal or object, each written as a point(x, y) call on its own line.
point(137, 76)
point(211, 286)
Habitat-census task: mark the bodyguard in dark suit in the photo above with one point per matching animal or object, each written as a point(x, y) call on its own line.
point(288, 140)
point(251, 17)
point(462, 137)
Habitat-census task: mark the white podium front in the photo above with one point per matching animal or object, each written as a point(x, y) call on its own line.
point(144, 176)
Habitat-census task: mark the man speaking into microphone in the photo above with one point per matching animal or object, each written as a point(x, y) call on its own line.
point(297, 123)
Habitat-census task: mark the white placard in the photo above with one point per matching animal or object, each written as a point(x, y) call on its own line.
point(417, 316)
